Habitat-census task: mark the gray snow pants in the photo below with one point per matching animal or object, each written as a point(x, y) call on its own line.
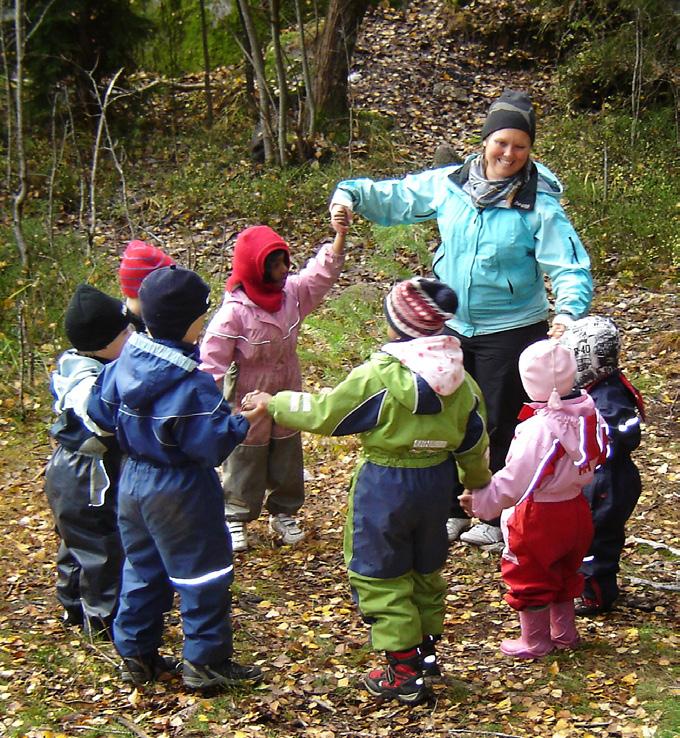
point(251, 471)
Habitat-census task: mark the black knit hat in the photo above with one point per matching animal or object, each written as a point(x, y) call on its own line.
point(93, 319)
point(512, 109)
point(419, 307)
point(171, 299)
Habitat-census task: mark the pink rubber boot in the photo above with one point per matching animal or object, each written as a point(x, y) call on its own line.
point(562, 627)
point(535, 639)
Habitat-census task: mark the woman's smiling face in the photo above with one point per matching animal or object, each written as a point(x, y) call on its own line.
point(506, 152)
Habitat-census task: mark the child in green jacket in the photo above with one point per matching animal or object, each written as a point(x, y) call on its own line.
point(418, 415)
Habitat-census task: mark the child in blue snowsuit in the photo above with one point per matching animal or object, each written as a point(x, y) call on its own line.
point(171, 420)
point(81, 479)
point(615, 490)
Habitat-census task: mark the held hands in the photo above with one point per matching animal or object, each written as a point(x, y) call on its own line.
point(556, 330)
point(254, 405)
point(341, 218)
point(466, 502)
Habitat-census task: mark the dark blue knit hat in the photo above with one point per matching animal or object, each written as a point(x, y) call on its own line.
point(171, 299)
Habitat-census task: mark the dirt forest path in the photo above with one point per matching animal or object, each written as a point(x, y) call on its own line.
point(292, 608)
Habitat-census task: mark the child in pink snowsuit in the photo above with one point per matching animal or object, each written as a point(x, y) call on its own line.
point(253, 337)
point(546, 520)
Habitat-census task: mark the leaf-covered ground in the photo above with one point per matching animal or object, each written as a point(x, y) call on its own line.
point(293, 615)
point(292, 611)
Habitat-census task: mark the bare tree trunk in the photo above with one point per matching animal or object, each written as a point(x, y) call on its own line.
point(19, 197)
point(57, 155)
point(10, 103)
point(23, 350)
point(306, 74)
point(103, 105)
point(343, 19)
point(81, 169)
point(636, 86)
point(275, 22)
point(206, 65)
point(121, 173)
point(244, 42)
point(257, 61)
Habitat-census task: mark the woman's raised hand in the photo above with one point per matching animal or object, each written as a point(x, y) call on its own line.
point(341, 218)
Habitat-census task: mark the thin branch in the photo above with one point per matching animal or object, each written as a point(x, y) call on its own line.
point(121, 174)
point(103, 105)
point(653, 584)
point(130, 726)
point(10, 102)
point(275, 24)
point(636, 85)
point(249, 58)
point(19, 197)
point(38, 23)
point(206, 65)
point(81, 178)
point(654, 544)
point(306, 72)
point(57, 158)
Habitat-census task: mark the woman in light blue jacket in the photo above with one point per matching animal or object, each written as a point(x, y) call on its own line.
point(502, 229)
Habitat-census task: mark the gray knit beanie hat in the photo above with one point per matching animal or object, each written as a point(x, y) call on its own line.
point(512, 109)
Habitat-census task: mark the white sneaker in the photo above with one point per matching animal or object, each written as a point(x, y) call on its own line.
point(239, 535)
point(287, 528)
point(456, 526)
point(482, 534)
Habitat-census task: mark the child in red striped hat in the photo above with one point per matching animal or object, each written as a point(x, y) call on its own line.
point(419, 417)
point(139, 259)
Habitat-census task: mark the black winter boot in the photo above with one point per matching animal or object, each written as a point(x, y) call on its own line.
point(428, 654)
point(220, 676)
point(152, 667)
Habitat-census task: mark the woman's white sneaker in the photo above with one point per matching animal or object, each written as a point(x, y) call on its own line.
point(456, 526)
point(482, 534)
point(239, 535)
point(286, 528)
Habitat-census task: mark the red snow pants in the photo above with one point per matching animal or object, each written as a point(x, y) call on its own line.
point(547, 542)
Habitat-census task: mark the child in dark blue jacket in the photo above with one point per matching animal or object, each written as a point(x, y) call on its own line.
point(81, 479)
point(172, 422)
point(615, 490)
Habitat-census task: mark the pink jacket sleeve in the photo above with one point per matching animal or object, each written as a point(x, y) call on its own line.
point(316, 278)
point(532, 443)
point(217, 347)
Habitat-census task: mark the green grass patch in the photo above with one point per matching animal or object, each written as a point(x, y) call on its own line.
point(345, 330)
point(341, 334)
point(622, 197)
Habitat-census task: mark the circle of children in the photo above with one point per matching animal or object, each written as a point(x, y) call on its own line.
point(145, 420)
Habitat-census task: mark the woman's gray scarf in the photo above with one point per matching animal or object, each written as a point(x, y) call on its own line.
point(485, 192)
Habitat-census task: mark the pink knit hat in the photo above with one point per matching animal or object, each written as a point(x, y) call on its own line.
point(548, 371)
point(140, 258)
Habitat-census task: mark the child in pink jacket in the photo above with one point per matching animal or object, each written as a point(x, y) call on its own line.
point(252, 339)
point(546, 520)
